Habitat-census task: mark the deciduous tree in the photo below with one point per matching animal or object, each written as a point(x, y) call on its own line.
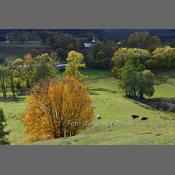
point(134, 56)
point(137, 82)
point(4, 80)
point(100, 55)
point(143, 40)
point(75, 62)
point(44, 67)
point(164, 57)
point(57, 108)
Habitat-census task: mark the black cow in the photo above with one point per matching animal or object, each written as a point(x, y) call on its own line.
point(144, 118)
point(135, 116)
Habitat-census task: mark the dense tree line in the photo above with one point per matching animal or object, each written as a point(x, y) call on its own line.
point(21, 73)
point(100, 55)
point(135, 68)
point(62, 44)
point(162, 58)
point(21, 37)
point(143, 40)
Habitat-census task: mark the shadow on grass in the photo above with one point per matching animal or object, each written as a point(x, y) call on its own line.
point(161, 104)
point(12, 99)
point(93, 93)
point(103, 89)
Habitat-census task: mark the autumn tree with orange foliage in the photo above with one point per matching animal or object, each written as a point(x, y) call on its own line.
point(57, 108)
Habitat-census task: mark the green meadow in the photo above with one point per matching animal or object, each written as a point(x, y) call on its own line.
point(116, 125)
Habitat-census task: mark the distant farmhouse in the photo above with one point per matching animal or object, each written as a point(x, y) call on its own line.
point(89, 44)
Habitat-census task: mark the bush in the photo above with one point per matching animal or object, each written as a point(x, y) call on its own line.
point(54, 105)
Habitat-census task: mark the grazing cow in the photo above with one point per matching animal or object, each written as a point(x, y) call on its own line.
point(144, 118)
point(135, 116)
point(98, 116)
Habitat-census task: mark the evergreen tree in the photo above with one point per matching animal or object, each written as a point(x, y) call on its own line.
point(3, 133)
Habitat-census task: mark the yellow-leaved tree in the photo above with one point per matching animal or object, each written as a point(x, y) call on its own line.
point(57, 108)
point(75, 62)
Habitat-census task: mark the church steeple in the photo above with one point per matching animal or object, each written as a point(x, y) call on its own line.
point(90, 44)
point(93, 40)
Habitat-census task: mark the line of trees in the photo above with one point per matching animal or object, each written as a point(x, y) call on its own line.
point(100, 54)
point(21, 37)
point(162, 58)
point(55, 107)
point(20, 74)
point(135, 67)
point(143, 40)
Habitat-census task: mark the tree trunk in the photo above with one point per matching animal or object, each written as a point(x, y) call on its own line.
point(28, 83)
point(141, 96)
point(4, 91)
point(13, 87)
point(61, 130)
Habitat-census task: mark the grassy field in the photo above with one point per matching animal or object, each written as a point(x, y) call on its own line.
point(13, 111)
point(165, 85)
point(108, 101)
point(25, 45)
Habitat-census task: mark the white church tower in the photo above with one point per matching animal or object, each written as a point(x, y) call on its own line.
point(93, 40)
point(90, 44)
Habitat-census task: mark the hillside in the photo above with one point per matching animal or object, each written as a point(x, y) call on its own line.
point(109, 102)
point(114, 107)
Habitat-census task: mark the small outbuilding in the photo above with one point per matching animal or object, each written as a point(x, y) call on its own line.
point(61, 66)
